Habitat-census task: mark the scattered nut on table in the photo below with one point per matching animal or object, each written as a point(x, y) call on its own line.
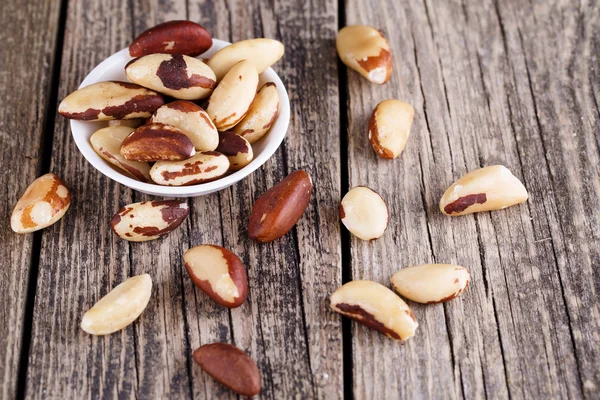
point(157, 142)
point(262, 53)
point(107, 143)
point(431, 283)
point(233, 96)
point(204, 167)
point(365, 50)
point(191, 120)
point(148, 220)
point(485, 189)
point(389, 127)
point(219, 273)
point(375, 306)
point(278, 209)
point(364, 213)
point(173, 37)
point(44, 202)
point(237, 149)
point(176, 75)
point(120, 307)
point(261, 115)
point(110, 100)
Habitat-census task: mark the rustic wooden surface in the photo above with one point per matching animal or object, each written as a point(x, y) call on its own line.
point(492, 82)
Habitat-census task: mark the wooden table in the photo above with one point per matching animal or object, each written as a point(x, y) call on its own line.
point(493, 82)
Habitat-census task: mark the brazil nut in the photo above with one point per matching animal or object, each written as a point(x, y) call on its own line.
point(148, 220)
point(261, 115)
point(204, 167)
point(237, 149)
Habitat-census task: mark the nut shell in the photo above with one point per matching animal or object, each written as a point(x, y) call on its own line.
point(157, 142)
point(204, 167)
point(365, 50)
point(261, 115)
point(389, 127)
point(173, 37)
point(262, 53)
point(431, 283)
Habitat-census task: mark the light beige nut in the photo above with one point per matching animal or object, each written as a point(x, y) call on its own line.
point(389, 127)
point(231, 100)
point(261, 52)
point(191, 120)
point(44, 202)
point(204, 167)
point(120, 307)
point(364, 213)
point(157, 142)
point(104, 101)
point(365, 50)
point(375, 306)
point(485, 189)
point(237, 149)
point(219, 273)
point(148, 220)
point(107, 143)
point(133, 123)
point(431, 283)
point(261, 115)
point(175, 75)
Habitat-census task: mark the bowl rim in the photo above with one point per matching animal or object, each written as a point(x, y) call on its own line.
point(275, 137)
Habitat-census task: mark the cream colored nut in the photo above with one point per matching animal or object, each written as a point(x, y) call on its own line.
point(149, 220)
point(431, 283)
point(191, 120)
point(107, 143)
point(237, 149)
point(364, 213)
point(485, 189)
point(389, 127)
point(375, 306)
point(231, 100)
point(157, 142)
point(261, 52)
point(120, 307)
point(175, 75)
point(365, 50)
point(44, 202)
point(204, 167)
point(133, 123)
point(261, 115)
point(110, 100)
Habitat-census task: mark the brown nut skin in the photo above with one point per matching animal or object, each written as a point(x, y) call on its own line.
point(104, 101)
point(148, 220)
point(173, 37)
point(237, 149)
point(277, 210)
point(157, 142)
point(219, 273)
point(229, 366)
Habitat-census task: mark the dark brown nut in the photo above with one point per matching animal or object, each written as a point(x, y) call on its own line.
point(365, 50)
point(173, 37)
point(233, 96)
point(219, 273)
point(364, 213)
point(149, 220)
point(44, 202)
point(191, 120)
point(278, 209)
point(229, 366)
point(261, 115)
point(376, 307)
point(157, 142)
point(262, 53)
point(175, 75)
point(485, 189)
point(389, 127)
point(236, 148)
point(107, 143)
point(132, 123)
point(204, 167)
point(431, 283)
point(104, 101)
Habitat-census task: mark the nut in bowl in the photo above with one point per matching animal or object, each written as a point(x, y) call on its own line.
point(113, 69)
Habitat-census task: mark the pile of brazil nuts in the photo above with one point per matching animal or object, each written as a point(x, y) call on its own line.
point(189, 144)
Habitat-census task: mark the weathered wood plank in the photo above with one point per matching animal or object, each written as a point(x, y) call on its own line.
point(29, 40)
point(521, 329)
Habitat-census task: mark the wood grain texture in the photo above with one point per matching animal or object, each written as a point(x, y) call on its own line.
point(29, 39)
point(507, 83)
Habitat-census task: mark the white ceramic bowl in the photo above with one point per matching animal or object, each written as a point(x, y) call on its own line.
point(113, 69)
